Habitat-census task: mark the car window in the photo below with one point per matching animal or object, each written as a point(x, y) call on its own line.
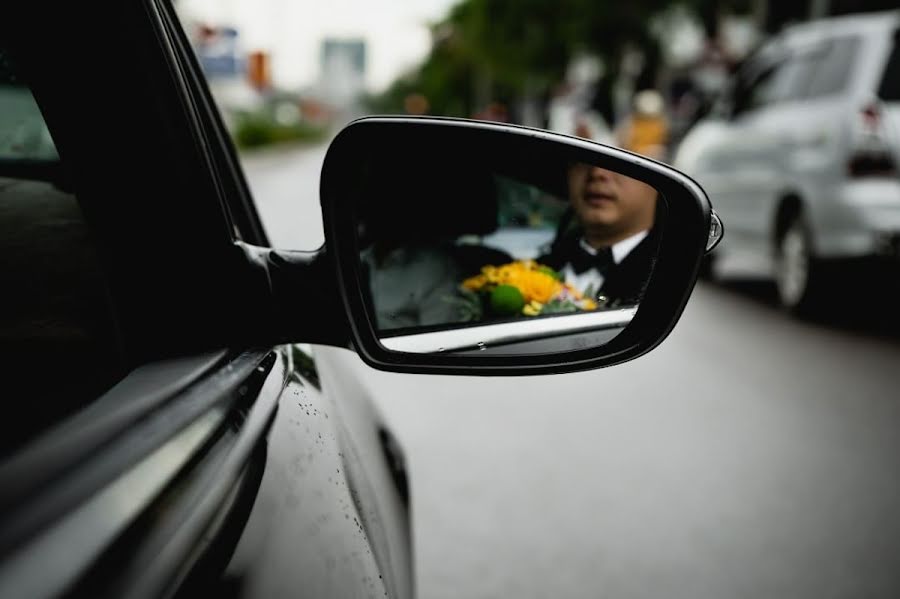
point(57, 336)
point(792, 79)
point(889, 89)
point(808, 72)
point(527, 219)
point(23, 134)
point(832, 67)
point(755, 89)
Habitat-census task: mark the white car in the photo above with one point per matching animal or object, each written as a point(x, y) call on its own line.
point(800, 156)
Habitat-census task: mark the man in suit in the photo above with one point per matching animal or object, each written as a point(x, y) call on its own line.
point(611, 252)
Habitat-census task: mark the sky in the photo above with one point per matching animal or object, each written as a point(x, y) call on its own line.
point(396, 32)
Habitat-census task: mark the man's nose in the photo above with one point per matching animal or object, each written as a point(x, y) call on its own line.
point(601, 174)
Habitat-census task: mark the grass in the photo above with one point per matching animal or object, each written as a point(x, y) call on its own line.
point(258, 129)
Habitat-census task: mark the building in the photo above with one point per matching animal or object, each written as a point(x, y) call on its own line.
point(342, 71)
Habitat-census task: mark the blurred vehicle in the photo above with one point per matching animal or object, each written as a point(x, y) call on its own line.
point(800, 155)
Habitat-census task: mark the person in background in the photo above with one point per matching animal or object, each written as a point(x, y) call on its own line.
point(570, 111)
point(495, 111)
point(610, 253)
point(646, 130)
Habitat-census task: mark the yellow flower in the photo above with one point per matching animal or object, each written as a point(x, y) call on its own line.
point(525, 276)
point(491, 274)
point(539, 287)
point(509, 273)
point(475, 283)
point(536, 285)
point(532, 308)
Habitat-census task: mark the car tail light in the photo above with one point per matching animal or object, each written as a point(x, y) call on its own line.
point(871, 117)
point(871, 156)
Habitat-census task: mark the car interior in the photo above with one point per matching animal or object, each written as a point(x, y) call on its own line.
point(57, 329)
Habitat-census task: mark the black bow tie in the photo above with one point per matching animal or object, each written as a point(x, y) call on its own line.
point(583, 260)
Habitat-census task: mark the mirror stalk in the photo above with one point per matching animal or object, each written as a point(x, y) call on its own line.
point(302, 300)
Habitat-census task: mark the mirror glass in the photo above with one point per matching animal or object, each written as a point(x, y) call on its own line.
point(483, 251)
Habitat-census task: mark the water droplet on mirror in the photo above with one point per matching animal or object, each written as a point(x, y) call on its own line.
point(482, 346)
point(440, 349)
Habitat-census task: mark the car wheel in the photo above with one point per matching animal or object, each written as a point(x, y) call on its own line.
point(798, 274)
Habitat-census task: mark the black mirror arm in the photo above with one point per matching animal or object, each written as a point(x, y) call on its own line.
point(295, 298)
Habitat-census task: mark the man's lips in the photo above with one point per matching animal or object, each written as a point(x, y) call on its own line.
point(598, 198)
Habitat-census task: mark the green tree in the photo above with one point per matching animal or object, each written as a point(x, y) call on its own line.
point(506, 49)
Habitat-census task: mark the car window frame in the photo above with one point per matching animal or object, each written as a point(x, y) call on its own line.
point(762, 60)
point(225, 162)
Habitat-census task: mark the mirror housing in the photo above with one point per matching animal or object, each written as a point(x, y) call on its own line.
point(681, 244)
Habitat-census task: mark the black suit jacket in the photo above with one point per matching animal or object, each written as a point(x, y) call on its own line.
point(625, 282)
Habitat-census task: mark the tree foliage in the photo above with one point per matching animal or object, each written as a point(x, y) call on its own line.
point(516, 47)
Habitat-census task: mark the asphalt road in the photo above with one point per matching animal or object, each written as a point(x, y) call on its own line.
point(751, 455)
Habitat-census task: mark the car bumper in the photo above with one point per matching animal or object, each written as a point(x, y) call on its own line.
point(863, 221)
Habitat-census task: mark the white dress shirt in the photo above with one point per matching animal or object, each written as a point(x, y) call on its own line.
point(592, 280)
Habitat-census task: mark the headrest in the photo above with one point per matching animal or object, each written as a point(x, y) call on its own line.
point(426, 199)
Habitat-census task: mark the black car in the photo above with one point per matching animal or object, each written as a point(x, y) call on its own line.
point(166, 431)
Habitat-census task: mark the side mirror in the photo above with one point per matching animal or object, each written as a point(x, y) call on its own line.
point(466, 247)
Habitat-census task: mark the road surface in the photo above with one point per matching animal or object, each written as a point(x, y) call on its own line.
point(751, 455)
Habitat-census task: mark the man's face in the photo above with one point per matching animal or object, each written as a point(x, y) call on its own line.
point(609, 204)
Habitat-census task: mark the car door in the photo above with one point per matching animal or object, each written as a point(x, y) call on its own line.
point(369, 506)
point(745, 166)
point(148, 442)
point(787, 140)
point(754, 153)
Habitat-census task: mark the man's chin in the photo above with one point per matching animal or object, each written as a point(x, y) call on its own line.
point(601, 218)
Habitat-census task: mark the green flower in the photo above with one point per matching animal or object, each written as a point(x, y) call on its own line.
point(507, 300)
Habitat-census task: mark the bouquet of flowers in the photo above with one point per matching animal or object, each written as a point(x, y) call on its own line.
point(519, 288)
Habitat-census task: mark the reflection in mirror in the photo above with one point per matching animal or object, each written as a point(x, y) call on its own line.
point(463, 255)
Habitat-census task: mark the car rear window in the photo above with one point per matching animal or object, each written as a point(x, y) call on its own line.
point(833, 67)
point(890, 80)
